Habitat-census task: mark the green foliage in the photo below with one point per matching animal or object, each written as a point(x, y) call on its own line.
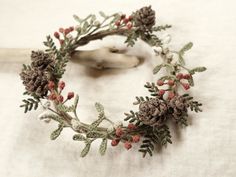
point(132, 117)
point(30, 103)
point(155, 135)
point(103, 146)
point(101, 116)
point(86, 149)
point(197, 69)
point(167, 65)
point(64, 108)
point(161, 28)
point(152, 88)
point(51, 46)
point(57, 132)
point(181, 53)
point(79, 137)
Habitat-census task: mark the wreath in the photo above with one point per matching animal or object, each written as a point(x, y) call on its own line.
point(149, 124)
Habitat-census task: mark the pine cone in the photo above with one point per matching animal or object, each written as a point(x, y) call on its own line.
point(42, 61)
point(153, 112)
point(144, 19)
point(178, 107)
point(35, 81)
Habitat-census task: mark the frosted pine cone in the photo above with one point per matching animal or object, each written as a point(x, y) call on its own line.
point(35, 81)
point(41, 61)
point(178, 106)
point(153, 112)
point(144, 19)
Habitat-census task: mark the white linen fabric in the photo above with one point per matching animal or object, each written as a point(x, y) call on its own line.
point(207, 147)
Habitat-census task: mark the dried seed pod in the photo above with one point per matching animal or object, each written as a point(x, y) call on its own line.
point(35, 81)
point(178, 107)
point(42, 61)
point(144, 19)
point(153, 112)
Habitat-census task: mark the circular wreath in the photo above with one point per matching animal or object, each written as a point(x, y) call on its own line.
point(42, 81)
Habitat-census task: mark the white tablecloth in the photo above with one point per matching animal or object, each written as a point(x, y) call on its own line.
point(205, 148)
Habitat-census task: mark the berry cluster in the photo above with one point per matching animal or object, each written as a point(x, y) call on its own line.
point(173, 83)
point(55, 92)
point(125, 135)
point(65, 32)
point(124, 22)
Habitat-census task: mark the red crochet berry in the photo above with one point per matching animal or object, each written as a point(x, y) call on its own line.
point(129, 26)
point(179, 76)
point(186, 86)
point(171, 83)
point(171, 95)
point(119, 132)
point(61, 42)
point(162, 92)
point(127, 145)
point(61, 85)
point(52, 96)
point(131, 126)
point(71, 28)
point(114, 142)
point(122, 16)
point(70, 95)
point(187, 76)
point(125, 20)
point(61, 30)
point(160, 83)
point(67, 31)
point(136, 138)
point(51, 85)
point(117, 23)
point(60, 98)
point(57, 35)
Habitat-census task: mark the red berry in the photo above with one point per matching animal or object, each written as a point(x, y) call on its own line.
point(127, 145)
point(52, 96)
point(60, 98)
point(125, 20)
point(57, 35)
point(187, 76)
point(129, 26)
point(67, 31)
point(171, 95)
point(61, 85)
point(61, 30)
point(186, 86)
point(136, 138)
point(160, 83)
point(162, 92)
point(122, 16)
point(117, 23)
point(51, 85)
point(119, 132)
point(131, 126)
point(61, 42)
point(114, 142)
point(179, 76)
point(71, 28)
point(70, 95)
point(171, 82)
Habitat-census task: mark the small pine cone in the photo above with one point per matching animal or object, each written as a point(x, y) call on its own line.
point(144, 19)
point(35, 81)
point(42, 61)
point(178, 107)
point(153, 112)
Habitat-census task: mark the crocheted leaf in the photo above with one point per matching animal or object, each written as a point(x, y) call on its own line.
point(57, 132)
point(86, 149)
point(103, 146)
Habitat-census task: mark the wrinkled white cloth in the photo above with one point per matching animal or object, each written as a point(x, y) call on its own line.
point(205, 148)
